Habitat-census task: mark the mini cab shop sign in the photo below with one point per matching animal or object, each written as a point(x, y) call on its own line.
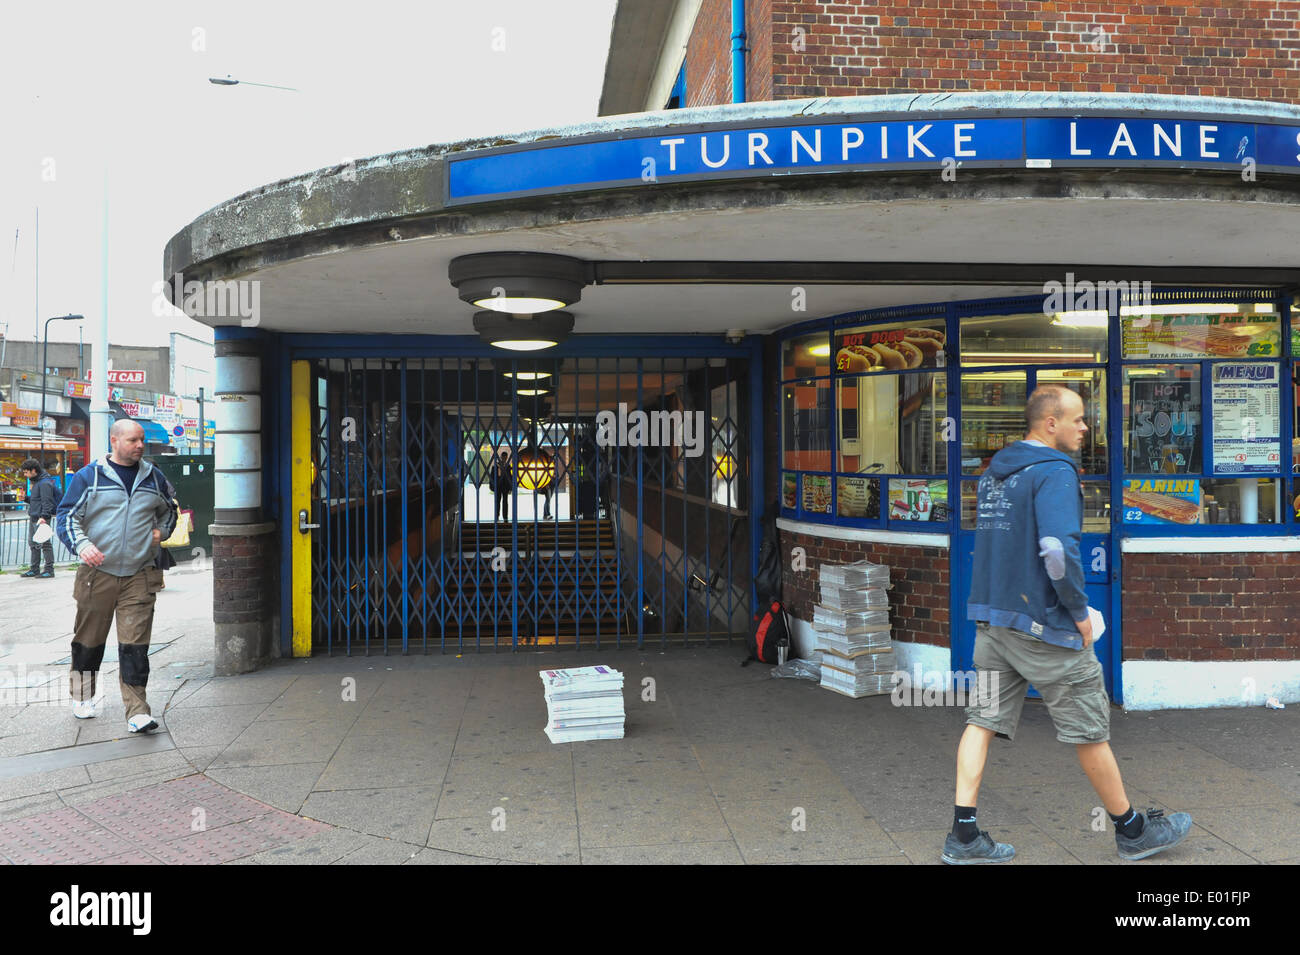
point(683, 154)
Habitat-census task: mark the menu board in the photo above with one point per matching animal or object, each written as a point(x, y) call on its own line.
point(1162, 501)
point(1247, 421)
point(1229, 335)
point(1164, 426)
point(789, 490)
point(857, 497)
point(816, 493)
point(894, 347)
point(919, 500)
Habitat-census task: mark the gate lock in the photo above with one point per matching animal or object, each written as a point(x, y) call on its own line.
point(303, 526)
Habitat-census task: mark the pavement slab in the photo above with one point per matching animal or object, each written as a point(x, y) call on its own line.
point(516, 836)
point(821, 828)
point(404, 813)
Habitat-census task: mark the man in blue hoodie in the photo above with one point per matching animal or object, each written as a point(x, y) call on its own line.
point(1033, 626)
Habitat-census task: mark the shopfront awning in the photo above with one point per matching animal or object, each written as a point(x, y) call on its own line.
point(29, 439)
point(81, 409)
point(154, 433)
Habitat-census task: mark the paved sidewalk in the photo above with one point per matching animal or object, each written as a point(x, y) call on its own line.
point(442, 759)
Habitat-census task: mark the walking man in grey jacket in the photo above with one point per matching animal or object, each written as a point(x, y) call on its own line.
point(41, 502)
point(114, 515)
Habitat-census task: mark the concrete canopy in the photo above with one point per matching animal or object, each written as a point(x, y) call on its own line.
point(367, 248)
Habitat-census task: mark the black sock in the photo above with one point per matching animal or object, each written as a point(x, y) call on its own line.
point(963, 824)
point(1129, 823)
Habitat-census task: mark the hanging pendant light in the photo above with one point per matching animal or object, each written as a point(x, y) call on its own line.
point(523, 332)
point(535, 469)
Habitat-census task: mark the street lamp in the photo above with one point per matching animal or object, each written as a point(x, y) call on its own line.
point(45, 368)
point(231, 81)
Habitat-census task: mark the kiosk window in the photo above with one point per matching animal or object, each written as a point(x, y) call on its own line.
point(806, 425)
point(806, 357)
point(1162, 419)
point(992, 415)
point(892, 424)
point(1090, 385)
point(1034, 339)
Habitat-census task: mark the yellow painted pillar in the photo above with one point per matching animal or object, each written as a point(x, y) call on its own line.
point(300, 496)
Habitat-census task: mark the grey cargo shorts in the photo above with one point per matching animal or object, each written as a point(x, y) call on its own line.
point(1070, 682)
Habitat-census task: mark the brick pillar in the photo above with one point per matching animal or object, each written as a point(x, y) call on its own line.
point(245, 595)
point(246, 565)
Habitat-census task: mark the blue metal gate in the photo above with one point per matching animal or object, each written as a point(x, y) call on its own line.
point(625, 484)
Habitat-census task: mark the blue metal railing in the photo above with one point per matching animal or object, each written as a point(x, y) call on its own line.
point(15, 545)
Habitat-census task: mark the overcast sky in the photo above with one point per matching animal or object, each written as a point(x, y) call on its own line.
point(119, 92)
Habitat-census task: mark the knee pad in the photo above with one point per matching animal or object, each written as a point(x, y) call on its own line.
point(86, 659)
point(134, 660)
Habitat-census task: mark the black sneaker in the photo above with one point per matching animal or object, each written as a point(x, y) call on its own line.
point(30, 573)
point(48, 573)
point(1158, 834)
point(982, 850)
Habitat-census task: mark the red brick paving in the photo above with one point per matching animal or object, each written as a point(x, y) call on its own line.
point(154, 825)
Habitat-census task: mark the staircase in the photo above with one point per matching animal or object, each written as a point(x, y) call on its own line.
point(568, 579)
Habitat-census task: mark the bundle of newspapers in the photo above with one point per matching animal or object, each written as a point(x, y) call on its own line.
point(852, 627)
point(583, 703)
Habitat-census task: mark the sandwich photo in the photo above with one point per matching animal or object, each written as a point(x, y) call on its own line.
point(1165, 507)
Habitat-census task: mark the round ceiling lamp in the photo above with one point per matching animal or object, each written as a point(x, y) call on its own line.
point(519, 283)
point(523, 332)
point(534, 468)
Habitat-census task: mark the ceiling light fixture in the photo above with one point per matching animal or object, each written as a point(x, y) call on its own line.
point(519, 283)
point(523, 332)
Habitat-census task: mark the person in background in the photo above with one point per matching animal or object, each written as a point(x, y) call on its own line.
point(503, 482)
point(114, 515)
point(42, 499)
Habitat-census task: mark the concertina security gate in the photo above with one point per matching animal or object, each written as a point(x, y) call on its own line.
point(614, 537)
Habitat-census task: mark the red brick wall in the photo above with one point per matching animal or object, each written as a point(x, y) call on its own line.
point(1212, 606)
point(245, 580)
point(918, 602)
point(1249, 48)
point(758, 56)
point(708, 56)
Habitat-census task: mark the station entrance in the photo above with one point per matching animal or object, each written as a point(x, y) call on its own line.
point(492, 503)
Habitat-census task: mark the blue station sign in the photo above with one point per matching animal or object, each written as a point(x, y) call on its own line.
point(683, 155)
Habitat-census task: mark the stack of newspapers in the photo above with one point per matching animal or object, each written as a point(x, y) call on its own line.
point(852, 627)
point(583, 703)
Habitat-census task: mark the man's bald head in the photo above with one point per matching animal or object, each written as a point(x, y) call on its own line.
point(124, 426)
point(126, 438)
point(1055, 416)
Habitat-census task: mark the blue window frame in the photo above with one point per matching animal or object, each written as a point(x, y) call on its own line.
point(814, 481)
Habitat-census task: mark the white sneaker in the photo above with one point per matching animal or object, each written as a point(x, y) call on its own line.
point(83, 709)
point(141, 723)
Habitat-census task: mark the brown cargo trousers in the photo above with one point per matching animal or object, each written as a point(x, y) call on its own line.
point(99, 595)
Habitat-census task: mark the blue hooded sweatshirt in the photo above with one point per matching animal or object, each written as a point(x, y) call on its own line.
point(1030, 506)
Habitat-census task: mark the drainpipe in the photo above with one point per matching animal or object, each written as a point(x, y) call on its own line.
point(738, 51)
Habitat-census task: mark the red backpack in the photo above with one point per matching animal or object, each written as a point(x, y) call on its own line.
point(770, 628)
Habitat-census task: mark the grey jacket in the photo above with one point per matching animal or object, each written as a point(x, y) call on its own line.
point(97, 510)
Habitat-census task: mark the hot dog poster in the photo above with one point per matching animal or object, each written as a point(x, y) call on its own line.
point(1229, 335)
point(1162, 501)
point(890, 347)
point(1247, 420)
